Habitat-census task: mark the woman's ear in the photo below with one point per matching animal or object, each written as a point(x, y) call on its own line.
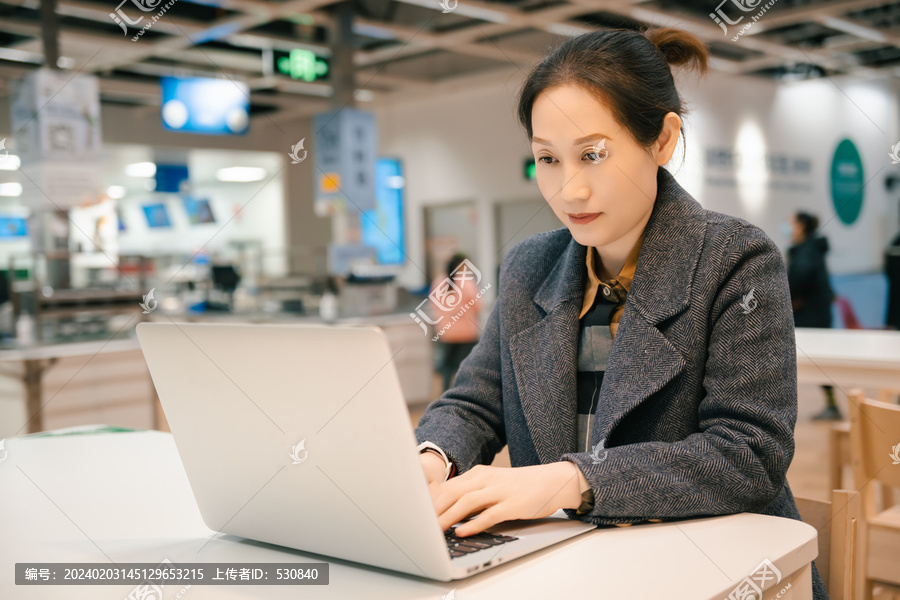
point(665, 144)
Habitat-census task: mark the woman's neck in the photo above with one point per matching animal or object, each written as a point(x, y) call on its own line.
point(602, 271)
point(613, 255)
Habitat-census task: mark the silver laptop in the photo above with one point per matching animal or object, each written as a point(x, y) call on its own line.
point(298, 435)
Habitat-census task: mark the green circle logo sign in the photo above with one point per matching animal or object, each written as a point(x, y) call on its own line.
point(847, 182)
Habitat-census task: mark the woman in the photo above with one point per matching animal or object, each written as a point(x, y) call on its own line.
point(811, 293)
point(695, 410)
point(457, 340)
point(892, 271)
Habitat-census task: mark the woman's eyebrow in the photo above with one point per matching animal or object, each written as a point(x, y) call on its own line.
point(581, 140)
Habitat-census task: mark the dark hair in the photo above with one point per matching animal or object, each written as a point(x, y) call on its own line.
point(454, 262)
point(808, 221)
point(627, 69)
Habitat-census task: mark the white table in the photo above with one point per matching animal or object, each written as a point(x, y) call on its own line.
point(868, 358)
point(125, 497)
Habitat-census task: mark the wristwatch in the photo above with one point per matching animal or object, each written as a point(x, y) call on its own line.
point(428, 446)
point(587, 502)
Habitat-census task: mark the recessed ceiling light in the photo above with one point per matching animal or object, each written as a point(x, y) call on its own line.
point(10, 162)
point(11, 189)
point(240, 174)
point(141, 169)
point(116, 191)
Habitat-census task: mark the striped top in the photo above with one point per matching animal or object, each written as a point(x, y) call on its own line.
point(599, 320)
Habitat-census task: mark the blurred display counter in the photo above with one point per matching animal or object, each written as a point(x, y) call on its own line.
point(106, 380)
point(61, 384)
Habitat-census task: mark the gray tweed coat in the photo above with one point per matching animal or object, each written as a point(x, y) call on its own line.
point(699, 400)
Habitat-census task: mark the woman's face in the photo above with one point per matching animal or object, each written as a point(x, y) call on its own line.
point(797, 233)
point(589, 166)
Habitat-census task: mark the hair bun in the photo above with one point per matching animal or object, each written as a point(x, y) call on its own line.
point(680, 47)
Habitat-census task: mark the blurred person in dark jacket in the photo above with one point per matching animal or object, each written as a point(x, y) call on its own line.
point(811, 293)
point(892, 270)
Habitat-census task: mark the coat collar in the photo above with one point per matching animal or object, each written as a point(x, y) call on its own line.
point(641, 361)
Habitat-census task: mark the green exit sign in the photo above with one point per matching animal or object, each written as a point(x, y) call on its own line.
point(529, 169)
point(300, 64)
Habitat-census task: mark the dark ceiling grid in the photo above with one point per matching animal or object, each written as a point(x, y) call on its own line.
point(403, 46)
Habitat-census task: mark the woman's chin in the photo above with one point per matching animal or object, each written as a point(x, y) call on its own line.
point(586, 238)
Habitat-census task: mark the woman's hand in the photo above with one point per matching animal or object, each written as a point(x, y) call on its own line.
point(502, 494)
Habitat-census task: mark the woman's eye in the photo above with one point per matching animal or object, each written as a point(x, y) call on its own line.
point(547, 162)
point(597, 157)
point(599, 152)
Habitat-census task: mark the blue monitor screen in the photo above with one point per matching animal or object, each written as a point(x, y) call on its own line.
point(169, 178)
point(382, 226)
point(12, 227)
point(202, 105)
point(157, 215)
point(198, 210)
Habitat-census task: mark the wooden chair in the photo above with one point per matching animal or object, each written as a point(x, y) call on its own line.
point(887, 593)
point(889, 395)
point(839, 443)
point(837, 523)
point(874, 442)
point(838, 454)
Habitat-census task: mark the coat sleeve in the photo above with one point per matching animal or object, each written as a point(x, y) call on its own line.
point(738, 460)
point(466, 422)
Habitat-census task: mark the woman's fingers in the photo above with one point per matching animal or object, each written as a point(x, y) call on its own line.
point(467, 504)
point(488, 518)
point(498, 494)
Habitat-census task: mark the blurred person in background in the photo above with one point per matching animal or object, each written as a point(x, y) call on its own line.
point(892, 270)
point(811, 293)
point(457, 341)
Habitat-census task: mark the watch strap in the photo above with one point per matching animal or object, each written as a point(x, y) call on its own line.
point(449, 467)
point(587, 502)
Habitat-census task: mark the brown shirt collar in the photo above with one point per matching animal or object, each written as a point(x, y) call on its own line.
point(618, 285)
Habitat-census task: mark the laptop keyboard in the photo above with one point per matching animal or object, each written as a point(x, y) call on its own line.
point(460, 546)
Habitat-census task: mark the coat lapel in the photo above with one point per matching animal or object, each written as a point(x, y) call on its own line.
point(641, 361)
point(544, 358)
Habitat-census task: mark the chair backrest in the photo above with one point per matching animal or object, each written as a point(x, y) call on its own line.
point(888, 395)
point(874, 445)
point(818, 514)
point(837, 523)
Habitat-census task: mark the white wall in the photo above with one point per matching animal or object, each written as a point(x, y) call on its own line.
point(467, 145)
point(805, 119)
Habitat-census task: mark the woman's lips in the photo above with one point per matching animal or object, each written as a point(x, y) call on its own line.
point(582, 218)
